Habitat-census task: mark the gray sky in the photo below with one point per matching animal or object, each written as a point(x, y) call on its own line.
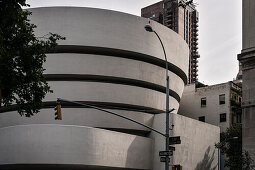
point(219, 31)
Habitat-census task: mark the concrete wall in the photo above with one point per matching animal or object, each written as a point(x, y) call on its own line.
point(80, 117)
point(107, 59)
point(110, 60)
point(196, 151)
point(190, 104)
point(73, 145)
point(103, 65)
point(110, 29)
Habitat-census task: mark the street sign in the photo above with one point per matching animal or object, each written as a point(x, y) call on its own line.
point(174, 140)
point(163, 159)
point(171, 148)
point(165, 153)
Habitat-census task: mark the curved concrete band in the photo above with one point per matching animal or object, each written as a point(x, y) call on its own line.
point(81, 117)
point(110, 29)
point(77, 145)
point(90, 64)
point(107, 59)
point(108, 92)
point(121, 54)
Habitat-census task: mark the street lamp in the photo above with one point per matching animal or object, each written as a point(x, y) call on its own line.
point(219, 145)
point(149, 29)
point(166, 135)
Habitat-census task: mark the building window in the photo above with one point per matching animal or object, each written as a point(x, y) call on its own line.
point(160, 20)
point(223, 117)
point(222, 99)
point(203, 102)
point(201, 118)
point(238, 118)
point(240, 100)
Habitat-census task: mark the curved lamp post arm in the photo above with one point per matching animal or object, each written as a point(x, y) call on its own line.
point(149, 29)
point(162, 46)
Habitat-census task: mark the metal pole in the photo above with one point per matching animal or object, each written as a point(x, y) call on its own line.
point(167, 104)
point(218, 158)
point(107, 111)
point(167, 116)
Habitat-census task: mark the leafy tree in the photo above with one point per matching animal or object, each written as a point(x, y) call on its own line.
point(231, 146)
point(22, 55)
point(248, 162)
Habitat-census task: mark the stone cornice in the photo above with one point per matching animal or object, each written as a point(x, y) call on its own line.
point(247, 104)
point(247, 58)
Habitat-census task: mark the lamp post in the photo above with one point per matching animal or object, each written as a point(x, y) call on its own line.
point(149, 29)
point(166, 135)
point(219, 145)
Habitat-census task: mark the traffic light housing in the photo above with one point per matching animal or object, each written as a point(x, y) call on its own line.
point(58, 115)
point(176, 167)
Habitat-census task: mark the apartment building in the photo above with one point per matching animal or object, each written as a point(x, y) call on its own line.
point(182, 17)
point(218, 104)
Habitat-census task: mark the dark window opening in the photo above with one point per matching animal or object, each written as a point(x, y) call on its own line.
point(203, 102)
point(222, 99)
point(160, 18)
point(223, 117)
point(238, 118)
point(201, 118)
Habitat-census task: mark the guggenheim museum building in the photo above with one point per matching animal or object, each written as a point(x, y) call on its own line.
point(107, 60)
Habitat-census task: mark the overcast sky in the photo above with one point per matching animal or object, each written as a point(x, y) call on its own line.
point(219, 31)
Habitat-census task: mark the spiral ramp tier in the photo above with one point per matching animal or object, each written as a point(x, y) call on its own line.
point(107, 60)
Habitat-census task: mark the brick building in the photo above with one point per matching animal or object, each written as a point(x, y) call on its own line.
point(183, 19)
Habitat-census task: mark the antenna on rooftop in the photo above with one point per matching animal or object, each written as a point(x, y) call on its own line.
point(184, 4)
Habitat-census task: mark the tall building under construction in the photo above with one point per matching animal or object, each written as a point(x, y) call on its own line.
point(182, 17)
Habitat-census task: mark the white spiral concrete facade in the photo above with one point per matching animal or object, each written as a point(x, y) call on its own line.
point(108, 60)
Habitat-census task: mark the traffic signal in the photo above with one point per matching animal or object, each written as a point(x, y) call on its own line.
point(58, 115)
point(176, 167)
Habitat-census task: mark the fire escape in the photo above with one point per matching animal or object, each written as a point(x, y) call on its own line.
point(170, 16)
point(194, 49)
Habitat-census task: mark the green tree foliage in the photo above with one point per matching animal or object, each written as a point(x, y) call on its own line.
point(248, 162)
point(231, 146)
point(22, 55)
